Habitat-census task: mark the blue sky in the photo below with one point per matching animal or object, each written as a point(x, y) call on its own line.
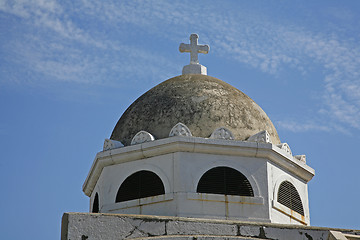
point(69, 69)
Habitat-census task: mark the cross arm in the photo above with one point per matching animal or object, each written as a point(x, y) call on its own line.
point(203, 49)
point(184, 47)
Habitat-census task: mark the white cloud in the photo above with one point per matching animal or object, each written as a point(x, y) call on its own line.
point(61, 58)
point(296, 126)
point(64, 62)
point(239, 34)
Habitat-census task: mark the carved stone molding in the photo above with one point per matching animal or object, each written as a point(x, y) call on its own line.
point(222, 133)
point(285, 147)
point(263, 137)
point(111, 144)
point(180, 129)
point(301, 158)
point(142, 137)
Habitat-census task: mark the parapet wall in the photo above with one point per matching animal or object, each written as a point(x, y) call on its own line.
point(91, 226)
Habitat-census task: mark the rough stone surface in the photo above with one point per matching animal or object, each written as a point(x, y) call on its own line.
point(249, 231)
point(92, 226)
point(194, 228)
point(201, 102)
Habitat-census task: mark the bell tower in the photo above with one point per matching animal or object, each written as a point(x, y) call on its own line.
point(194, 146)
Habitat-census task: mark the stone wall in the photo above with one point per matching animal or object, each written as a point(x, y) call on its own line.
point(91, 226)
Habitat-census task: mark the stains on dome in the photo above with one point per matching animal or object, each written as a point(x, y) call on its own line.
point(201, 102)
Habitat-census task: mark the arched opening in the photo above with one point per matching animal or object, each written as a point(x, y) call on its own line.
point(95, 208)
point(139, 185)
point(289, 197)
point(225, 180)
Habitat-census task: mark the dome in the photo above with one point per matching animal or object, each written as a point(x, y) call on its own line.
point(201, 102)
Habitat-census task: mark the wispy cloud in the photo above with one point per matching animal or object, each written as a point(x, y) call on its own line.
point(60, 57)
point(295, 126)
point(44, 14)
point(30, 8)
point(312, 125)
point(94, 42)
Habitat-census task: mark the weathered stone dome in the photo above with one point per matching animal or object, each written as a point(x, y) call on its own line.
point(201, 102)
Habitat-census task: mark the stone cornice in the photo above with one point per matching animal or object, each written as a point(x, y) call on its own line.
point(195, 145)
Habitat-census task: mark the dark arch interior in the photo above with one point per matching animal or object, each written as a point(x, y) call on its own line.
point(139, 185)
point(225, 180)
point(95, 208)
point(289, 197)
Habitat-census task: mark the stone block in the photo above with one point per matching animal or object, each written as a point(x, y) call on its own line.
point(249, 231)
point(194, 69)
point(200, 228)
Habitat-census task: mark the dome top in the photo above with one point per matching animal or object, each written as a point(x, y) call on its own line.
point(201, 102)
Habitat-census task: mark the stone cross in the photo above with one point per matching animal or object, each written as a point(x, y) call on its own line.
point(194, 49)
